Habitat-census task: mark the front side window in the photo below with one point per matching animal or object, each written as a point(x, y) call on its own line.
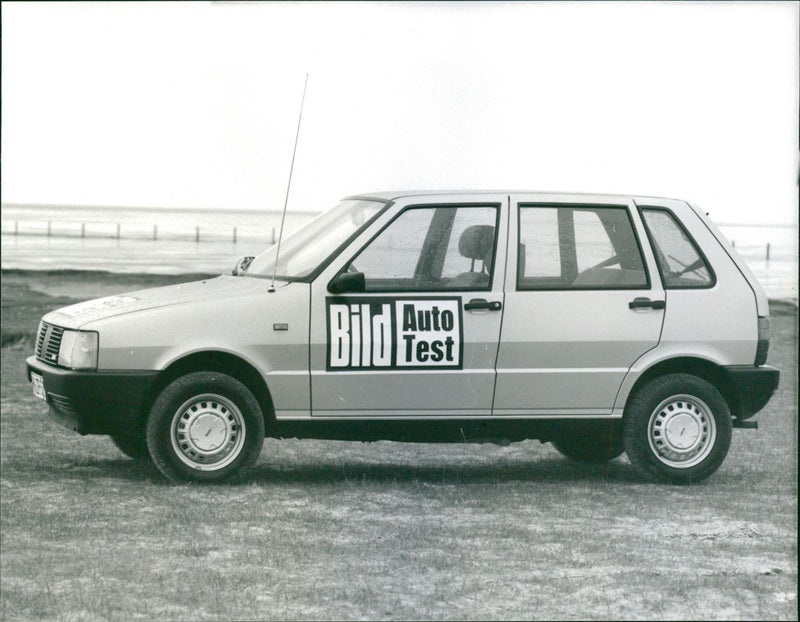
point(679, 260)
point(437, 248)
point(572, 247)
point(304, 251)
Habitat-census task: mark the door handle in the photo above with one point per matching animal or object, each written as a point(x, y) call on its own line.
point(482, 303)
point(641, 303)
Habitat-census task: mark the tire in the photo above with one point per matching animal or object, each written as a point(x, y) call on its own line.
point(132, 445)
point(204, 427)
point(677, 428)
point(590, 444)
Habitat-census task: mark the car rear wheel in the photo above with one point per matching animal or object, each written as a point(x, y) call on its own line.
point(204, 426)
point(677, 428)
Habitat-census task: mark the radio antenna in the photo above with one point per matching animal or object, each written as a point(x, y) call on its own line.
point(288, 185)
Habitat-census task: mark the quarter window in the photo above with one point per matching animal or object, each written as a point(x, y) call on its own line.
point(570, 247)
point(679, 261)
point(438, 248)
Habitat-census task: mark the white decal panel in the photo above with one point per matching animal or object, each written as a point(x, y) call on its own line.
point(384, 333)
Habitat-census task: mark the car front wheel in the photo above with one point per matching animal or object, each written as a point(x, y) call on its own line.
point(677, 428)
point(204, 426)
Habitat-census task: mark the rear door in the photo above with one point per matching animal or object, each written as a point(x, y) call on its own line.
point(582, 303)
point(421, 339)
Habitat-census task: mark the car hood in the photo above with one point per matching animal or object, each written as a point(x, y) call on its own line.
point(77, 315)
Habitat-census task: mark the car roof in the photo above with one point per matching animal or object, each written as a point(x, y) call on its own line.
point(398, 194)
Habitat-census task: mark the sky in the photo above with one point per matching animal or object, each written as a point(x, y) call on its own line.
point(196, 105)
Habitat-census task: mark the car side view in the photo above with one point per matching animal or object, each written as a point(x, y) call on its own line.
point(601, 323)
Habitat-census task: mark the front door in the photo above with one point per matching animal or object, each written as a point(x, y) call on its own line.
point(581, 305)
point(421, 338)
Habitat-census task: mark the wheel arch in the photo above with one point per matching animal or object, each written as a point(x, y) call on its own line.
point(707, 370)
point(222, 362)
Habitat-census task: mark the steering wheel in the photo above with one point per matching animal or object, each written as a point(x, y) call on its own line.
point(692, 267)
point(606, 262)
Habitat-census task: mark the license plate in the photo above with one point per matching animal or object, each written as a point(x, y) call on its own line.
point(38, 386)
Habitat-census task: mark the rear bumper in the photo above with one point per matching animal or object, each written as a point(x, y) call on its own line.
point(95, 402)
point(752, 386)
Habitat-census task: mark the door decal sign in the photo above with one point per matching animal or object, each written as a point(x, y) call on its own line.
point(386, 333)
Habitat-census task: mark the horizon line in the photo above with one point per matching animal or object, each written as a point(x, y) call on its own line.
point(149, 207)
point(256, 210)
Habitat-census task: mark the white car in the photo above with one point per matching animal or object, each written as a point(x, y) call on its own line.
point(600, 323)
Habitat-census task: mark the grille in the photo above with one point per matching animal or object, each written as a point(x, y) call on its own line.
point(63, 405)
point(48, 341)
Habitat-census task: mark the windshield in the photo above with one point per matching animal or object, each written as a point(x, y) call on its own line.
point(307, 248)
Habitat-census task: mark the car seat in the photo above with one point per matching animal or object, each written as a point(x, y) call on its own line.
point(476, 243)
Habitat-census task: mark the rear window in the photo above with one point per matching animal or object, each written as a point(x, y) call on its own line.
point(578, 247)
point(680, 261)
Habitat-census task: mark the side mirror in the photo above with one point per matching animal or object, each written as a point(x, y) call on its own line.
point(241, 265)
point(345, 282)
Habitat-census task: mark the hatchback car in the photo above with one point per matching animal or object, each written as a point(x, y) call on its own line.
point(603, 324)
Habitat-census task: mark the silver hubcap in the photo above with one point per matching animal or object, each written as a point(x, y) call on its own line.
point(681, 431)
point(207, 432)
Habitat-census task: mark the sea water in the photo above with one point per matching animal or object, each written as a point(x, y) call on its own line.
point(175, 241)
point(132, 240)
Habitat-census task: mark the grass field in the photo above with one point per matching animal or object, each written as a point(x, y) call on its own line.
point(334, 530)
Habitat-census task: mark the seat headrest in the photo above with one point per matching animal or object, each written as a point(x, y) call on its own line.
point(477, 242)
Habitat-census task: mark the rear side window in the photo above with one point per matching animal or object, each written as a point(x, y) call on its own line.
point(578, 247)
point(679, 259)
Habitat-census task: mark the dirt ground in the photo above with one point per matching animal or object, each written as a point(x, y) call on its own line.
point(335, 530)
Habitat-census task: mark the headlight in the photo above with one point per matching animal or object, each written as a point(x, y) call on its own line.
point(78, 349)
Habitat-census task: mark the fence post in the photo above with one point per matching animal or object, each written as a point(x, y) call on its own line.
point(767, 251)
point(273, 235)
point(48, 228)
point(234, 235)
point(155, 232)
point(733, 243)
point(197, 234)
point(118, 231)
point(16, 227)
point(83, 229)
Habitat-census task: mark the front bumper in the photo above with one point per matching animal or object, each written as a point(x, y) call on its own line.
point(95, 402)
point(752, 387)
